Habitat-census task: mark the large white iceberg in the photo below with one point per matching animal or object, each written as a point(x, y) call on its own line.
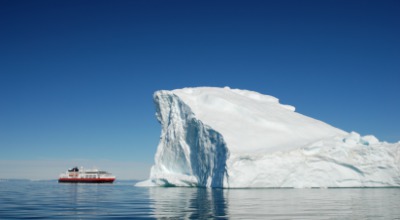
point(222, 137)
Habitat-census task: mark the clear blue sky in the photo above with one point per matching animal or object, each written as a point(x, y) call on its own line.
point(77, 77)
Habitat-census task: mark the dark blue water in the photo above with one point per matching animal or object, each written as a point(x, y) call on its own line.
point(121, 200)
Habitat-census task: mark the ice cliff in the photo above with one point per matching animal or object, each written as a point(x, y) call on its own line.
point(222, 137)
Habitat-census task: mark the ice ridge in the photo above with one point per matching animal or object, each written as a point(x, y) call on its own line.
point(190, 153)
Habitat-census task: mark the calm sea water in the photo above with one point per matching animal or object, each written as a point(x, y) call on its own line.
point(121, 200)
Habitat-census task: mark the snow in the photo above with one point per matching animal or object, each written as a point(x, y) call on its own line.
point(223, 137)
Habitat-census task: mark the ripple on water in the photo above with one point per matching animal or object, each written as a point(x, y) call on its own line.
point(50, 200)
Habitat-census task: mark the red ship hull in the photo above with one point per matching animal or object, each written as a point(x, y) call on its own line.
point(86, 180)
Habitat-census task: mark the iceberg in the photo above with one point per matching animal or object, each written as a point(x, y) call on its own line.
point(231, 138)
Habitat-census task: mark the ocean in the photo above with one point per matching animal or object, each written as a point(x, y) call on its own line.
point(122, 200)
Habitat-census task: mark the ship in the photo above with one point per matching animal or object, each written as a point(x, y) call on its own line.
point(81, 175)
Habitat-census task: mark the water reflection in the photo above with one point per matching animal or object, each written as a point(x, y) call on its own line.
point(83, 200)
point(193, 203)
point(202, 203)
point(68, 201)
point(366, 203)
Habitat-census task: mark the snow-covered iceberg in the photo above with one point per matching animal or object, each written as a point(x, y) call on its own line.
point(222, 137)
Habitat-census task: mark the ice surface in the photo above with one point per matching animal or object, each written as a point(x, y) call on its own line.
point(222, 137)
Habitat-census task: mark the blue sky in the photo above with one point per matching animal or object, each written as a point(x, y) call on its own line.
point(77, 77)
